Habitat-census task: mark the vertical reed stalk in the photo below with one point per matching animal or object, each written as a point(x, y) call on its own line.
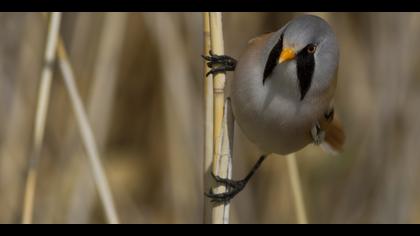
point(221, 155)
point(87, 137)
point(99, 107)
point(299, 203)
point(40, 117)
point(208, 122)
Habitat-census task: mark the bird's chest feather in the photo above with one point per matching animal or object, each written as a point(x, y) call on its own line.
point(272, 115)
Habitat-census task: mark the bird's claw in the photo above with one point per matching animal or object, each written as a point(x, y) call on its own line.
point(236, 184)
point(219, 63)
point(234, 187)
point(220, 197)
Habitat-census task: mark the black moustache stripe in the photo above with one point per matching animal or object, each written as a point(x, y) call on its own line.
point(273, 58)
point(305, 63)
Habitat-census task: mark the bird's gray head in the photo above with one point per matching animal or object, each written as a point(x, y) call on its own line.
point(309, 43)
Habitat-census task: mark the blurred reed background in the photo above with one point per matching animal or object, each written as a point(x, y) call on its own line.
point(140, 77)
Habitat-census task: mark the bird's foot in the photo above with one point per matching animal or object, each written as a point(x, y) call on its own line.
point(318, 135)
point(234, 187)
point(219, 63)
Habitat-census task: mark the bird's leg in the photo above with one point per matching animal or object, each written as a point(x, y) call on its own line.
point(318, 130)
point(234, 186)
point(318, 135)
point(219, 63)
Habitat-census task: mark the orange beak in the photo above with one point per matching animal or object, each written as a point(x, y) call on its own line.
point(286, 54)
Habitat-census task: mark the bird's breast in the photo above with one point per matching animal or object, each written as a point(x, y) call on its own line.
point(271, 115)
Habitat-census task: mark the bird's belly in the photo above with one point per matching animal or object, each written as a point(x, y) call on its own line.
point(281, 134)
point(274, 123)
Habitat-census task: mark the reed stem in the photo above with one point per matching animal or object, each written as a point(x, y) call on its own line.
point(222, 163)
point(208, 122)
point(295, 183)
point(87, 137)
point(41, 115)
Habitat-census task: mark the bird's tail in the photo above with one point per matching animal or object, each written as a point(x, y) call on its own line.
point(334, 137)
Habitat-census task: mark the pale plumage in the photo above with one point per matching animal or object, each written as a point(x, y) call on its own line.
point(282, 92)
point(273, 114)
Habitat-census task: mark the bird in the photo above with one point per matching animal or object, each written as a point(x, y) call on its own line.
point(282, 92)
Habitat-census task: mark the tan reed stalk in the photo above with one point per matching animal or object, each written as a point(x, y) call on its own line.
point(295, 183)
point(208, 122)
point(221, 155)
point(40, 117)
point(87, 136)
point(99, 107)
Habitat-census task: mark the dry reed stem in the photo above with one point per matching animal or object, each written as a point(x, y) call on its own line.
point(41, 114)
point(87, 137)
point(99, 107)
point(208, 122)
point(295, 183)
point(222, 154)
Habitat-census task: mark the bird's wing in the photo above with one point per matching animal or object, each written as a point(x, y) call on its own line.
point(260, 37)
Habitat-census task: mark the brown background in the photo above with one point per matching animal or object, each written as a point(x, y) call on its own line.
point(140, 76)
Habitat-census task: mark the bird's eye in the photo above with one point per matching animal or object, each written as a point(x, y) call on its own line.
point(311, 48)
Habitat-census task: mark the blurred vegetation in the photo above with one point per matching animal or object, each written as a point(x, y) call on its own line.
point(146, 108)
